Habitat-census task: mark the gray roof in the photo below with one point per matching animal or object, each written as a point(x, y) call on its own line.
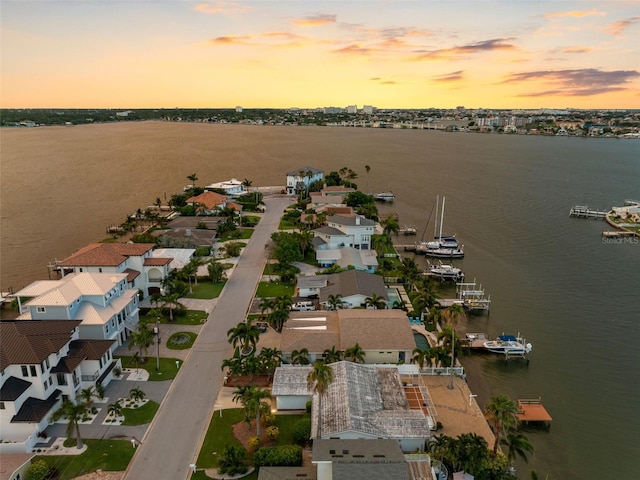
point(288, 473)
point(291, 380)
point(354, 282)
point(351, 220)
point(12, 388)
point(315, 331)
point(368, 400)
point(311, 281)
point(329, 231)
point(376, 330)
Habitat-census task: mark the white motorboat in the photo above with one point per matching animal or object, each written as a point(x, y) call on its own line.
point(445, 272)
point(508, 345)
point(385, 196)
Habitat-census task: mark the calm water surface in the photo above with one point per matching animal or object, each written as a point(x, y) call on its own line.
point(550, 277)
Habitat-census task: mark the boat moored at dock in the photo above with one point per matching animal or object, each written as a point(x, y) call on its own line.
point(445, 272)
point(509, 345)
point(385, 196)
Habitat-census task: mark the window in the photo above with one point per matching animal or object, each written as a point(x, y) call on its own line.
point(46, 385)
point(34, 373)
point(62, 379)
point(41, 309)
point(99, 269)
point(1, 405)
point(25, 371)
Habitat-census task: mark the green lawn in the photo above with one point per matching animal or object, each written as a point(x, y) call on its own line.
point(206, 289)
point(239, 234)
point(284, 225)
point(107, 455)
point(274, 289)
point(141, 415)
point(168, 369)
point(191, 317)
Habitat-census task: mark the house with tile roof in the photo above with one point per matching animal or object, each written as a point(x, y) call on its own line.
point(385, 336)
point(346, 240)
point(106, 308)
point(208, 202)
point(145, 270)
point(42, 364)
point(363, 402)
point(301, 178)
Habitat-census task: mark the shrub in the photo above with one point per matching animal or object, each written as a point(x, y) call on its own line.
point(272, 432)
point(231, 461)
point(254, 443)
point(38, 470)
point(308, 406)
point(301, 431)
point(280, 456)
point(268, 419)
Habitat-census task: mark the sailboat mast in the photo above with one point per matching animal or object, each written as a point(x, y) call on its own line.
point(441, 218)
point(435, 224)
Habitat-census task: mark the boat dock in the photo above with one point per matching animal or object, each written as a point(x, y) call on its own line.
point(582, 211)
point(475, 340)
point(532, 410)
point(618, 234)
point(472, 297)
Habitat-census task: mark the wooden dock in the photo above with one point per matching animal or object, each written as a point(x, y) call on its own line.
point(582, 211)
point(532, 410)
point(618, 234)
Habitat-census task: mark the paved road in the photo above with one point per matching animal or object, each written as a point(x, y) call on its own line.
point(174, 438)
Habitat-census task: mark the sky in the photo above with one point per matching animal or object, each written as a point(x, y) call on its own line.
point(314, 53)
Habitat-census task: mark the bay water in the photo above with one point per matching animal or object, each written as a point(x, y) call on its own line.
point(554, 279)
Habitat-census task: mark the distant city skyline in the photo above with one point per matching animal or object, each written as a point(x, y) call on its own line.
point(405, 54)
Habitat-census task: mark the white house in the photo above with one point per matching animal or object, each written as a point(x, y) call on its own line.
point(290, 387)
point(345, 231)
point(107, 309)
point(301, 179)
point(232, 188)
point(42, 364)
point(145, 268)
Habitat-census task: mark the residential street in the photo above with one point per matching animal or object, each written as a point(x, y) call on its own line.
point(173, 440)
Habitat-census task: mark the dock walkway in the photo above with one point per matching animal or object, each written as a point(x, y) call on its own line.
point(532, 410)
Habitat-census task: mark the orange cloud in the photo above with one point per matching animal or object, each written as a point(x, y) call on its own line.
point(354, 49)
point(575, 14)
point(270, 38)
point(618, 27)
point(576, 50)
point(584, 82)
point(214, 8)
point(315, 20)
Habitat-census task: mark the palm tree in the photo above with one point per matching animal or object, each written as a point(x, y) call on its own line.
point(270, 359)
point(143, 338)
point(216, 271)
point(300, 357)
point(334, 302)
point(193, 178)
point(136, 394)
point(502, 414)
point(410, 272)
point(517, 444)
point(305, 237)
point(115, 409)
point(244, 335)
point(252, 399)
point(376, 301)
point(283, 302)
point(278, 318)
point(367, 169)
point(87, 394)
point(452, 314)
point(331, 355)
point(422, 355)
point(233, 365)
point(171, 300)
point(355, 354)
point(390, 225)
point(318, 381)
point(73, 413)
point(246, 183)
point(189, 270)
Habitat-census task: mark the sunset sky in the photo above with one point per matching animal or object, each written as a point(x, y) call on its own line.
point(389, 54)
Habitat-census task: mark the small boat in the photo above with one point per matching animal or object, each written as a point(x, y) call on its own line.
point(409, 230)
point(442, 246)
point(508, 345)
point(385, 196)
point(445, 272)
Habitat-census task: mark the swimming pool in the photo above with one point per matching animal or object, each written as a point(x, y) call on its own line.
point(421, 341)
point(394, 296)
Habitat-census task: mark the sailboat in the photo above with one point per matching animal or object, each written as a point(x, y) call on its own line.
point(442, 246)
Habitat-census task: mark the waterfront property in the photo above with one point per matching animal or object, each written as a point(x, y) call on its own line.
point(144, 266)
point(231, 188)
point(299, 180)
point(43, 363)
point(353, 287)
point(107, 309)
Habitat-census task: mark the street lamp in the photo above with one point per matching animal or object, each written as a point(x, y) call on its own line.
point(156, 330)
point(453, 340)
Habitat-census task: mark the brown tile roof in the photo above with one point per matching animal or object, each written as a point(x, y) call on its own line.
point(106, 254)
point(90, 349)
point(236, 206)
point(131, 274)
point(12, 388)
point(157, 262)
point(210, 200)
point(338, 210)
point(34, 409)
point(28, 342)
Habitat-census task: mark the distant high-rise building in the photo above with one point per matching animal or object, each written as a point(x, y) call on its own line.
point(460, 108)
point(332, 110)
point(239, 109)
point(367, 109)
point(352, 109)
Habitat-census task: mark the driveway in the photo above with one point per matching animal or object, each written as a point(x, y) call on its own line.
point(174, 438)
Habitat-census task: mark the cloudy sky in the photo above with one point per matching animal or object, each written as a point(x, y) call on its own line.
point(309, 53)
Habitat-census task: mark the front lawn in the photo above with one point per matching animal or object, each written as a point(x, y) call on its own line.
point(274, 289)
point(181, 340)
point(168, 368)
point(190, 317)
point(141, 415)
point(238, 234)
point(106, 455)
point(206, 289)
